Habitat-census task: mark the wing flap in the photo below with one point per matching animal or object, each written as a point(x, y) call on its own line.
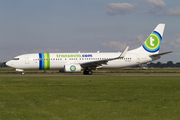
point(93, 63)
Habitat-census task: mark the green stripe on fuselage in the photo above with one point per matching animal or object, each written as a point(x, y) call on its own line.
point(47, 61)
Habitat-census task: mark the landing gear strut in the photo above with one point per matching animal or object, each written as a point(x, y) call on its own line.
point(87, 72)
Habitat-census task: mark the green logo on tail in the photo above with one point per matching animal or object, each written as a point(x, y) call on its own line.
point(152, 44)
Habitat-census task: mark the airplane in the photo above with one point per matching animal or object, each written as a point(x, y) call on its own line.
point(76, 62)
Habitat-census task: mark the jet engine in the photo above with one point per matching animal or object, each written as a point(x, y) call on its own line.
point(72, 68)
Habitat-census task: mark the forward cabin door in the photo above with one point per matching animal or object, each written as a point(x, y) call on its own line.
point(26, 59)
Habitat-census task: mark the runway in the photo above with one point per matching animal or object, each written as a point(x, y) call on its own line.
point(139, 74)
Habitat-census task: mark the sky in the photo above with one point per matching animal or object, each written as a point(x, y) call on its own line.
point(53, 26)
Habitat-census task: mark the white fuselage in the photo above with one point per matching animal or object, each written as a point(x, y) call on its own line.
point(59, 60)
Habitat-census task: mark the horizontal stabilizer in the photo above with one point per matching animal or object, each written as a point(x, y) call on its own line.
point(160, 54)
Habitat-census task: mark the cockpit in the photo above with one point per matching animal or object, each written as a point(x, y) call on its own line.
point(14, 62)
point(15, 59)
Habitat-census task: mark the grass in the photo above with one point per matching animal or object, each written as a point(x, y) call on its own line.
point(90, 98)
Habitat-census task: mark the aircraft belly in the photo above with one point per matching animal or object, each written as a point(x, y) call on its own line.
point(56, 65)
point(119, 64)
point(24, 67)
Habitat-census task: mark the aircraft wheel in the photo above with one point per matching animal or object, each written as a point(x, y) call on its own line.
point(89, 72)
point(85, 72)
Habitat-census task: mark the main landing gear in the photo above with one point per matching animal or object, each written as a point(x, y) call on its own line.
point(87, 72)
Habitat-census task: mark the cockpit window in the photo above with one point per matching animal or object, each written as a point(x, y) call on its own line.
point(15, 59)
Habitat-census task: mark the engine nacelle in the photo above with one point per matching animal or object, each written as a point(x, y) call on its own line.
point(72, 68)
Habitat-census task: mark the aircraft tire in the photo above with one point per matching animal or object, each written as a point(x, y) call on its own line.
point(87, 72)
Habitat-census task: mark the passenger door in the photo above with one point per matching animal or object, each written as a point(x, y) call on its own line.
point(26, 59)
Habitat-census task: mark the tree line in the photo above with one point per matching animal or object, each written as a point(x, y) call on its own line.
point(3, 64)
point(163, 65)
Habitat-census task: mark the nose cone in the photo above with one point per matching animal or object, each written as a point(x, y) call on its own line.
point(9, 63)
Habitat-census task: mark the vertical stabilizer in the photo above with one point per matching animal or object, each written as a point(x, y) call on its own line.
point(153, 42)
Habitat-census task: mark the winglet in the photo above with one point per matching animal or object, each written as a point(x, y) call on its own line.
point(124, 52)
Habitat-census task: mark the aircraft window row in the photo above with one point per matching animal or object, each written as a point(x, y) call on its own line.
point(72, 58)
point(49, 59)
point(15, 59)
point(77, 59)
point(95, 58)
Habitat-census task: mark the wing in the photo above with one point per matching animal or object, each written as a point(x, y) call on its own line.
point(94, 64)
